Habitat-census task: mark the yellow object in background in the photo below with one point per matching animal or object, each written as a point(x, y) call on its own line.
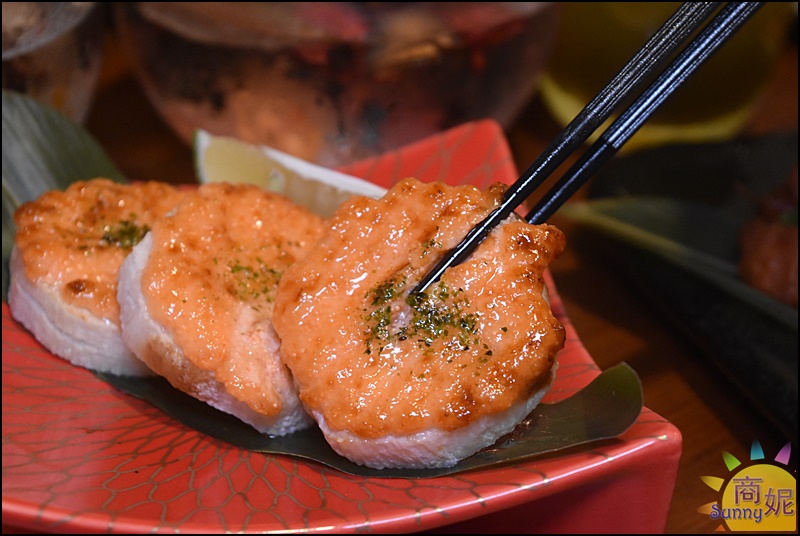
point(596, 39)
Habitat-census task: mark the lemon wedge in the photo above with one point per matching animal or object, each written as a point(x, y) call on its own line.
point(322, 190)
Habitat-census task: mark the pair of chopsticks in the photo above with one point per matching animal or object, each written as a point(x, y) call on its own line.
point(686, 21)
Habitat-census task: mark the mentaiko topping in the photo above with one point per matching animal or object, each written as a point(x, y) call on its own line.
point(197, 299)
point(375, 361)
point(77, 239)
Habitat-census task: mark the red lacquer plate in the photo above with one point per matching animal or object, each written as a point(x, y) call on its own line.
point(79, 456)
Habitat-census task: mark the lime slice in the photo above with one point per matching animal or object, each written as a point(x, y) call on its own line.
point(322, 190)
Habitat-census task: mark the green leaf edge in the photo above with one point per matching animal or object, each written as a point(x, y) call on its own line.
point(605, 215)
point(577, 420)
point(34, 164)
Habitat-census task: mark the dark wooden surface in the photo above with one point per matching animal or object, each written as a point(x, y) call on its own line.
point(612, 319)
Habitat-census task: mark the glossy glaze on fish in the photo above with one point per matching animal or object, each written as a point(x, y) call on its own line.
point(424, 380)
point(196, 298)
point(69, 247)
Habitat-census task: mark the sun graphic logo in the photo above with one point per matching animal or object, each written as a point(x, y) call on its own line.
point(755, 497)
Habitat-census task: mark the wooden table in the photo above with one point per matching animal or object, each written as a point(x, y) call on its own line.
point(614, 322)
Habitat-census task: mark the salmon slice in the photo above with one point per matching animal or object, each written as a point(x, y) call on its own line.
point(68, 250)
point(421, 380)
point(196, 300)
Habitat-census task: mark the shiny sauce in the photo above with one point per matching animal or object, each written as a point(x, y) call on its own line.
point(76, 240)
point(376, 361)
point(212, 276)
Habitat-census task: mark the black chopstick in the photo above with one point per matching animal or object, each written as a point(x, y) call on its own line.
point(655, 52)
point(686, 20)
point(724, 25)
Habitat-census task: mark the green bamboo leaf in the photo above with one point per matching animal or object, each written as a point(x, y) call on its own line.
point(697, 237)
point(604, 409)
point(42, 150)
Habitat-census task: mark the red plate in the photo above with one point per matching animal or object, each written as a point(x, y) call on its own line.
point(79, 456)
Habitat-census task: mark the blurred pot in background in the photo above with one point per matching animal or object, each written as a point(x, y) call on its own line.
point(335, 82)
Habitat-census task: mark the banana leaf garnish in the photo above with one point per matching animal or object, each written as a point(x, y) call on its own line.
point(43, 150)
point(604, 409)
